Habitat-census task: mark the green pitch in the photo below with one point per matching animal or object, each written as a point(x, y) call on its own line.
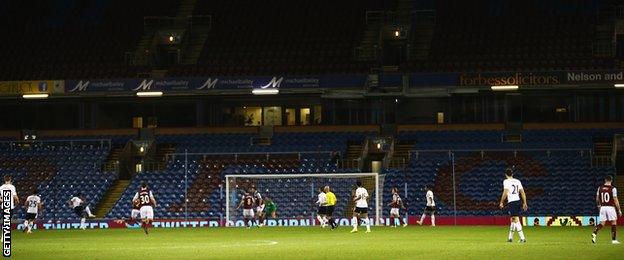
point(316, 243)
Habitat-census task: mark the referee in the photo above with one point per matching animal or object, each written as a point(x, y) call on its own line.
point(331, 202)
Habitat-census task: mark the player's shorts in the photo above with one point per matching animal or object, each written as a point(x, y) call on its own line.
point(514, 208)
point(322, 210)
point(361, 210)
point(147, 212)
point(607, 213)
point(135, 213)
point(394, 211)
point(31, 216)
point(248, 213)
point(329, 210)
point(430, 210)
point(80, 212)
point(260, 209)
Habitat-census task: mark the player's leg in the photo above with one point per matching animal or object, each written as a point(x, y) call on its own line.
point(401, 222)
point(150, 218)
point(355, 221)
point(597, 229)
point(25, 224)
point(422, 217)
point(261, 218)
point(366, 222)
point(81, 213)
point(433, 218)
point(603, 220)
point(88, 211)
point(519, 229)
point(512, 228)
point(614, 232)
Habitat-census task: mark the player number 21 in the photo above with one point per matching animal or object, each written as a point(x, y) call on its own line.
point(515, 189)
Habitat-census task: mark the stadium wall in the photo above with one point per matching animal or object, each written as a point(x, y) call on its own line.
point(214, 223)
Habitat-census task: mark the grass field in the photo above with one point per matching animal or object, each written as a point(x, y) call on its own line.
point(315, 243)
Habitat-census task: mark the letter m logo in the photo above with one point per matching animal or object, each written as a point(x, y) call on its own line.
point(209, 84)
point(145, 85)
point(81, 86)
point(274, 83)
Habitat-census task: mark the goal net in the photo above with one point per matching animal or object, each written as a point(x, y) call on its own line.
point(294, 196)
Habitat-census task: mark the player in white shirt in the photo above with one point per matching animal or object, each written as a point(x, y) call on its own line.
point(430, 208)
point(361, 208)
point(8, 185)
point(33, 207)
point(77, 203)
point(513, 192)
point(322, 208)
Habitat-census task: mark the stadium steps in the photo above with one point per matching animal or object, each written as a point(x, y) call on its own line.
point(421, 34)
point(112, 160)
point(603, 42)
point(164, 150)
point(371, 37)
point(401, 155)
point(619, 182)
point(602, 153)
point(111, 197)
point(354, 151)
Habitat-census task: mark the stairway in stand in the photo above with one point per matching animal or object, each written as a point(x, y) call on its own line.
point(111, 197)
point(401, 155)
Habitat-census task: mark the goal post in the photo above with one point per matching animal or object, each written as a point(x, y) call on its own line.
point(294, 194)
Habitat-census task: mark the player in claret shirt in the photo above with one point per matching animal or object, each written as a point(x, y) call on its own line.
point(248, 209)
point(607, 201)
point(394, 208)
point(146, 201)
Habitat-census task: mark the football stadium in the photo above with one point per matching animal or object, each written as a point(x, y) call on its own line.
point(297, 129)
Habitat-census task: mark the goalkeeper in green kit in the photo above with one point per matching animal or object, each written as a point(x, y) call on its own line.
point(270, 207)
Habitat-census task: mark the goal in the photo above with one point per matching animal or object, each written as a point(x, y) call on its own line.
point(294, 196)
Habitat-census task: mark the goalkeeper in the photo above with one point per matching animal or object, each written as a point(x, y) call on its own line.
point(270, 207)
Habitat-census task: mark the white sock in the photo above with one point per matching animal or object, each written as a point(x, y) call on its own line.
point(422, 217)
point(82, 222)
point(367, 223)
point(512, 228)
point(88, 210)
point(26, 225)
point(432, 220)
point(519, 229)
point(355, 223)
point(30, 226)
point(324, 220)
point(320, 220)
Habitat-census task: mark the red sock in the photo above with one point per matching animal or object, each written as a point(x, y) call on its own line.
point(391, 221)
point(401, 221)
point(613, 232)
point(358, 221)
point(598, 227)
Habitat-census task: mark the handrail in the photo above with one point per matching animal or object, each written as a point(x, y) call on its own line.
point(69, 141)
point(364, 153)
point(502, 150)
point(173, 155)
point(389, 154)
